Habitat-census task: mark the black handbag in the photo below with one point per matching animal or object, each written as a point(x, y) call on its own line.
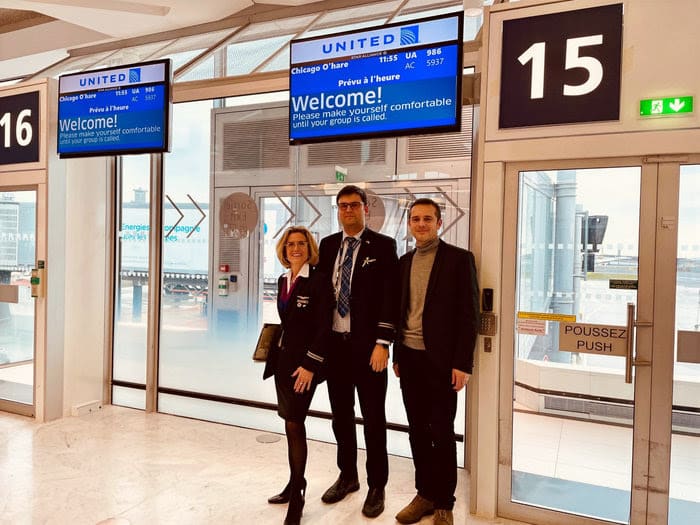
point(269, 337)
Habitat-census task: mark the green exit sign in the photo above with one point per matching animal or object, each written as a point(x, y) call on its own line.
point(652, 107)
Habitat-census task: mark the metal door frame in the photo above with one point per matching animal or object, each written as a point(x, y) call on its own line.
point(33, 180)
point(653, 384)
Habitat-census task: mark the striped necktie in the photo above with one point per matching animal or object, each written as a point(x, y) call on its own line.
point(345, 272)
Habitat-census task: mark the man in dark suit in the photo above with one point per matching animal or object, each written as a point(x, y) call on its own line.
point(362, 264)
point(433, 356)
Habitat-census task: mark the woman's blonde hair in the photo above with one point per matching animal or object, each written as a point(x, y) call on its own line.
point(282, 245)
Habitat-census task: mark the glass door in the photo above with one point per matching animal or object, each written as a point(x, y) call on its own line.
point(17, 258)
point(581, 281)
point(600, 393)
point(684, 504)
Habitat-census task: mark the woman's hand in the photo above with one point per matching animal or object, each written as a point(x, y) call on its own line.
point(303, 382)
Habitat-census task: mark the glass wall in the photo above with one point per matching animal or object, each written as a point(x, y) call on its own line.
point(190, 357)
point(131, 283)
point(685, 440)
point(218, 281)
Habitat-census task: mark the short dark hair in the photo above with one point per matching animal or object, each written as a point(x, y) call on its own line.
point(351, 189)
point(425, 200)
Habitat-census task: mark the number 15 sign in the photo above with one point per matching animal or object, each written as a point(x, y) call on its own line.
point(561, 68)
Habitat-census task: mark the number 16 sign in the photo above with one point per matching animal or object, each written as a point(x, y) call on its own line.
point(19, 128)
point(561, 68)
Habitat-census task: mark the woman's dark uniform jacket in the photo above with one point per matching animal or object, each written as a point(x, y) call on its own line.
point(306, 325)
point(450, 320)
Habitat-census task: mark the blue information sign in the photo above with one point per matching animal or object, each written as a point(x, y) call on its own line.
point(398, 79)
point(116, 111)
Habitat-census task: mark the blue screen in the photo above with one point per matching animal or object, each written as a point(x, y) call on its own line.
point(114, 120)
point(397, 91)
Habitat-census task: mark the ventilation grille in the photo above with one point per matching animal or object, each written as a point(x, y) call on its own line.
point(444, 145)
point(255, 144)
point(613, 411)
point(592, 408)
point(229, 251)
point(686, 419)
point(347, 153)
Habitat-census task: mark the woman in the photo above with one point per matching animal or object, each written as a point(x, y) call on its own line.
point(305, 302)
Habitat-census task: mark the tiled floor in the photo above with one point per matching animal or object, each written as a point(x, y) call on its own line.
point(585, 467)
point(123, 466)
point(595, 453)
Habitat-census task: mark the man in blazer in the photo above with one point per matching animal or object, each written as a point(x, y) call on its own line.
point(362, 265)
point(433, 356)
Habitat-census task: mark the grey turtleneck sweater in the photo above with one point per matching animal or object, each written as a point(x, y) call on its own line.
point(421, 265)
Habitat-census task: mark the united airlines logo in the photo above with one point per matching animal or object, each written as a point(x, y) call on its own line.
point(359, 44)
point(99, 80)
point(409, 35)
point(135, 75)
point(372, 41)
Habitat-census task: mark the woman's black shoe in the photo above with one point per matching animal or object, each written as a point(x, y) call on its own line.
point(296, 505)
point(282, 497)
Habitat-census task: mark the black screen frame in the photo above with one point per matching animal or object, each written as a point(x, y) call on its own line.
point(167, 112)
point(420, 130)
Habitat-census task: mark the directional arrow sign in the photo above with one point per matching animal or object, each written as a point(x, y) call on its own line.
point(460, 212)
point(204, 216)
point(291, 215)
point(654, 107)
point(182, 216)
point(311, 205)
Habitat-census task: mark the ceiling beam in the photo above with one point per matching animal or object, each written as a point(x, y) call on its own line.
point(111, 5)
point(15, 20)
point(251, 15)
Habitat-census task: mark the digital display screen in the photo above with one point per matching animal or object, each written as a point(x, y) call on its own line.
point(397, 79)
point(115, 111)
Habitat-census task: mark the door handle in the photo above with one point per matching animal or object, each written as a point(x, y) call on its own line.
point(630, 360)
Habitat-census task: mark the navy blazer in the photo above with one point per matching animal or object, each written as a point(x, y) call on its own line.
point(373, 289)
point(306, 322)
point(451, 310)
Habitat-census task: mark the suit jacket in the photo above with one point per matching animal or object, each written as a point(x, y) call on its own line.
point(451, 310)
point(306, 322)
point(373, 288)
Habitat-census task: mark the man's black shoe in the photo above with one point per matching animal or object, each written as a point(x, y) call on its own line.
point(340, 489)
point(374, 504)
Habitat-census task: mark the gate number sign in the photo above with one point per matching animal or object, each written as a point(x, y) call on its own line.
point(19, 128)
point(561, 68)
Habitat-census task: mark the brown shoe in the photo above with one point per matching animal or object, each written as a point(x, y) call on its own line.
point(443, 517)
point(414, 511)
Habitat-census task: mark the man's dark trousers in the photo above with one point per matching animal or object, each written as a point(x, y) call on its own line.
point(431, 407)
point(348, 369)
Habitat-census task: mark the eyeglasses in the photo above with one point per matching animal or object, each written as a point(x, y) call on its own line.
point(345, 206)
point(297, 244)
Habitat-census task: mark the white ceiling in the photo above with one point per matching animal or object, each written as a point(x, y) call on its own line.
point(37, 33)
